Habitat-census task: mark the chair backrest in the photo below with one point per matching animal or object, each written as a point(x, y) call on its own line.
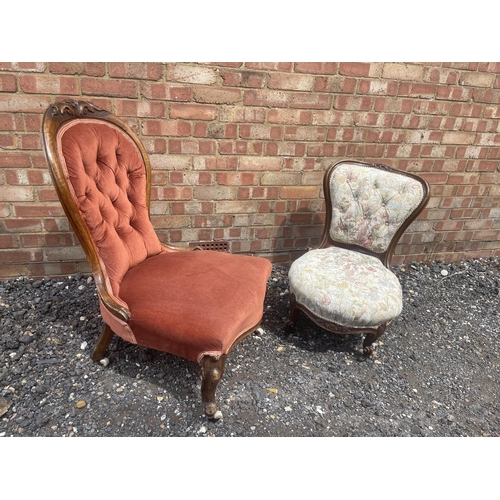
point(368, 206)
point(101, 173)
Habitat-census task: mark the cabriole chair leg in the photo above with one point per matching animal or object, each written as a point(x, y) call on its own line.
point(102, 343)
point(212, 370)
point(294, 315)
point(370, 339)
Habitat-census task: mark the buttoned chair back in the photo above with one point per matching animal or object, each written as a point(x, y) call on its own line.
point(345, 285)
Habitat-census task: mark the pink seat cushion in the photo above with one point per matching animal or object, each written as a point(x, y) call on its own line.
point(196, 302)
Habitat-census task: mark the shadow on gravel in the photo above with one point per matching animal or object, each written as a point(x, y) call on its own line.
point(435, 371)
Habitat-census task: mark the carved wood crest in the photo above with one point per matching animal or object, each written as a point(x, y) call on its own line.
point(78, 109)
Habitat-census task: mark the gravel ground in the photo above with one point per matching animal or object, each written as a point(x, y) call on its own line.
point(435, 372)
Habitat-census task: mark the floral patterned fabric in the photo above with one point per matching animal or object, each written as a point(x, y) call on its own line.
point(345, 287)
point(369, 205)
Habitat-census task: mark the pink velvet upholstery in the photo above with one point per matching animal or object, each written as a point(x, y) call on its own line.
point(195, 303)
point(107, 177)
point(188, 303)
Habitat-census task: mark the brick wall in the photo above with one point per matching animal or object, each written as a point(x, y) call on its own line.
point(238, 151)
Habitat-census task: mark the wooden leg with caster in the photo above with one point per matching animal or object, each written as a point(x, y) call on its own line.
point(212, 370)
point(102, 343)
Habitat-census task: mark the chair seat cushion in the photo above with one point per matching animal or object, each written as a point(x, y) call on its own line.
point(193, 303)
point(347, 288)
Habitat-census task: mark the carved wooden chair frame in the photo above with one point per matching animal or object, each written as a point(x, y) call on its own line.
point(372, 334)
point(57, 115)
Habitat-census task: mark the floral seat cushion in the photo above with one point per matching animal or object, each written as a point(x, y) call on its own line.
point(345, 287)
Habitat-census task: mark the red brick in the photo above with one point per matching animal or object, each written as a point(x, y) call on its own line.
point(392, 105)
point(193, 111)
point(7, 141)
point(13, 256)
point(417, 90)
point(266, 132)
point(7, 122)
point(245, 79)
point(16, 193)
point(136, 70)
point(477, 79)
point(15, 160)
point(458, 138)
point(378, 87)
point(299, 192)
point(486, 96)
point(316, 68)
point(474, 110)
point(310, 101)
point(236, 207)
point(8, 83)
point(285, 149)
point(47, 194)
point(32, 210)
point(37, 270)
point(326, 150)
point(219, 130)
point(454, 93)
point(290, 81)
point(78, 68)
point(276, 66)
point(261, 163)
point(427, 107)
point(353, 103)
point(20, 103)
point(38, 84)
point(240, 147)
point(455, 202)
point(37, 67)
point(165, 91)
point(280, 179)
point(113, 88)
point(335, 84)
point(31, 141)
point(23, 225)
point(191, 74)
point(482, 166)
point(176, 146)
point(167, 128)
point(216, 95)
point(143, 109)
point(236, 178)
point(462, 178)
point(478, 224)
point(216, 163)
point(397, 71)
point(228, 64)
point(242, 115)
point(489, 235)
point(305, 134)
point(354, 69)
point(267, 98)
point(42, 240)
point(441, 75)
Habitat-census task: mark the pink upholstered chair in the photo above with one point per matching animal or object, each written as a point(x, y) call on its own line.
point(194, 304)
point(346, 285)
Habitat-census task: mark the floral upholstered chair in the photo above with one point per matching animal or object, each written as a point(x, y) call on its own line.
point(346, 285)
point(194, 304)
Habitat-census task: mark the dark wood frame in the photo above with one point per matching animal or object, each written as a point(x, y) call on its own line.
point(372, 334)
point(57, 115)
